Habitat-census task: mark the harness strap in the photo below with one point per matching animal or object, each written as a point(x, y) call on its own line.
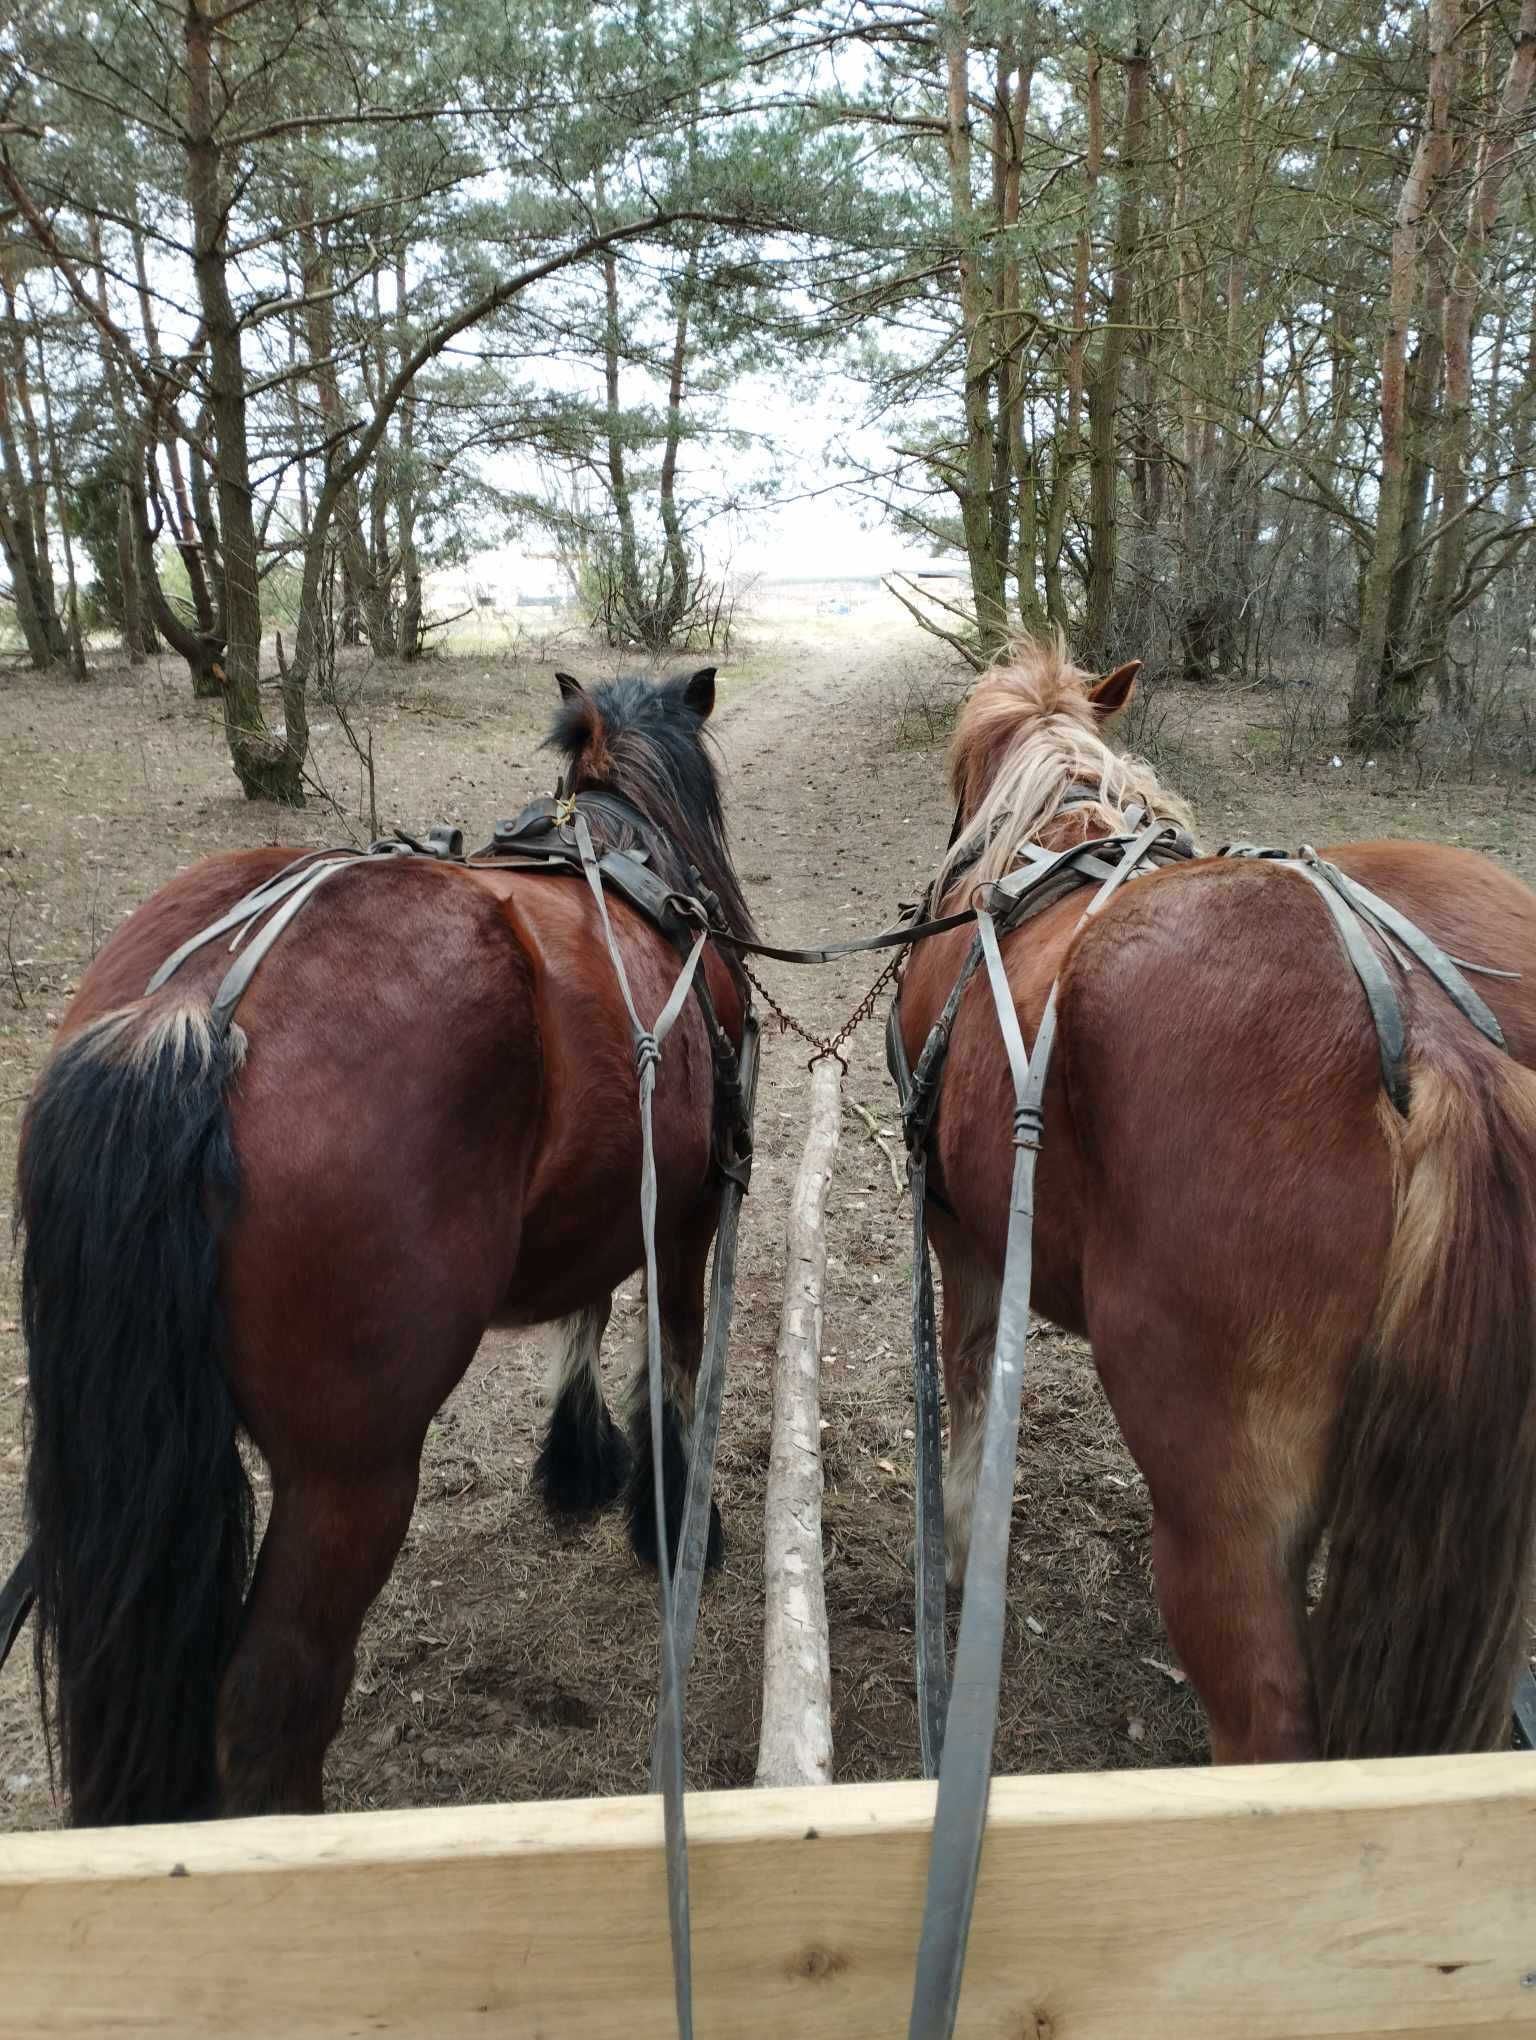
point(245, 910)
point(965, 1769)
point(928, 1450)
point(1354, 909)
point(693, 1538)
point(648, 1043)
point(243, 969)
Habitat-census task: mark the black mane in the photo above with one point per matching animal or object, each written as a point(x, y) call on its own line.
point(643, 741)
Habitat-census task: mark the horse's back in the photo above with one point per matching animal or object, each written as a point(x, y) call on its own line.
point(1473, 908)
point(193, 899)
point(1247, 943)
point(1222, 1074)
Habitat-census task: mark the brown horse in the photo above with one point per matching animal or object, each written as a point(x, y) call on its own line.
point(1308, 1311)
point(423, 1123)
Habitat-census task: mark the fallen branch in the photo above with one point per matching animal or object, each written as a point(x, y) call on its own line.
point(881, 1141)
point(442, 622)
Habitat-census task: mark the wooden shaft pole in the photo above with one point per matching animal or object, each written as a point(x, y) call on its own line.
point(796, 1742)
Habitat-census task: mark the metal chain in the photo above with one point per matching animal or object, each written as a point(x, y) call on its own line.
point(829, 1044)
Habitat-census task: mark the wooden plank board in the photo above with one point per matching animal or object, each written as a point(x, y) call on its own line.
point(1346, 1900)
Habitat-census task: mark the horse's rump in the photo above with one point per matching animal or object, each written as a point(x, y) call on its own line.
point(1236, 1215)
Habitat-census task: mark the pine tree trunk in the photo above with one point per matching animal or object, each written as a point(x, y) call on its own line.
point(678, 579)
point(189, 513)
point(1104, 383)
point(974, 487)
point(268, 764)
point(15, 545)
point(405, 496)
point(1013, 423)
point(630, 596)
point(1385, 698)
point(364, 602)
point(33, 583)
point(136, 629)
point(1494, 154)
point(1069, 431)
point(76, 652)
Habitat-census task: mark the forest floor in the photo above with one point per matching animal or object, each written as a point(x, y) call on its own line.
point(511, 1659)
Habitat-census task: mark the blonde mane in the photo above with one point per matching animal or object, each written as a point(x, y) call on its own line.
point(1028, 732)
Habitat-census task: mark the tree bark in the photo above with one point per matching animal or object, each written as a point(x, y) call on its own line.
point(365, 602)
point(1069, 432)
point(193, 531)
point(268, 764)
point(1385, 697)
point(974, 486)
point(631, 596)
point(76, 647)
point(138, 632)
point(1495, 152)
point(15, 545)
point(679, 580)
point(1218, 561)
point(405, 486)
point(31, 579)
point(1104, 384)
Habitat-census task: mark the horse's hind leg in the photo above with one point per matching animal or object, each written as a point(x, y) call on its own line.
point(1235, 1457)
point(329, 1547)
point(681, 1265)
point(583, 1461)
point(970, 1334)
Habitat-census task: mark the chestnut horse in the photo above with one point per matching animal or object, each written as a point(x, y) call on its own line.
point(423, 1123)
point(1308, 1311)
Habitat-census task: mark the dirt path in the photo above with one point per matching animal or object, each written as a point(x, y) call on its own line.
point(509, 1659)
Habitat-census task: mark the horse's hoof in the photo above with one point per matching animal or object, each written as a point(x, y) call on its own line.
point(642, 1534)
point(581, 1467)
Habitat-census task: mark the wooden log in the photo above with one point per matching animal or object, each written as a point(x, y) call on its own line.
point(795, 1746)
point(1314, 1901)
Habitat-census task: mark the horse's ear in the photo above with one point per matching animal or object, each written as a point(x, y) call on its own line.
point(700, 691)
point(570, 687)
point(1113, 693)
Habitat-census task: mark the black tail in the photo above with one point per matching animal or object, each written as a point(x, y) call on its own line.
point(138, 1504)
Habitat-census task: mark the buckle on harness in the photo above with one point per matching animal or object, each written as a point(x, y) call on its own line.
point(1028, 1127)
